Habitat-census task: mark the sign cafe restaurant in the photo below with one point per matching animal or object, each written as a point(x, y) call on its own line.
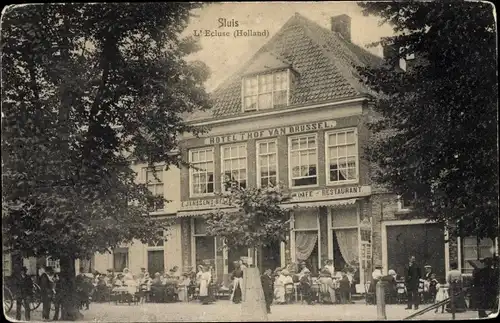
point(295, 114)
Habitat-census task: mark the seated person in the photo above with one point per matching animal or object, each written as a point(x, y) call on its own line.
point(327, 287)
point(118, 282)
point(305, 286)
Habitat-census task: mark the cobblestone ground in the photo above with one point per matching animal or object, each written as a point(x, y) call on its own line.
point(224, 310)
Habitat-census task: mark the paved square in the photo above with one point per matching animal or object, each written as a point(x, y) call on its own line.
point(224, 310)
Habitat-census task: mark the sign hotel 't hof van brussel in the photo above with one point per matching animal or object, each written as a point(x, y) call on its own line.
point(272, 132)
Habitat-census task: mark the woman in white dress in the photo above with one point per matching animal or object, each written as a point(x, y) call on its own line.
point(205, 278)
point(279, 287)
point(129, 281)
point(182, 292)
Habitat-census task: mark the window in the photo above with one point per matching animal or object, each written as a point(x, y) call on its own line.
point(405, 201)
point(265, 91)
point(234, 164)
point(305, 230)
point(342, 156)
point(475, 250)
point(120, 259)
point(155, 186)
point(202, 176)
point(303, 160)
point(54, 264)
point(7, 264)
point(267, 163)
point(158, 243)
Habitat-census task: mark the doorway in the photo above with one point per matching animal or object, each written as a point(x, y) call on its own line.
point(270, 256)
point(425, 241)
point(156, 262)
point(235, 253)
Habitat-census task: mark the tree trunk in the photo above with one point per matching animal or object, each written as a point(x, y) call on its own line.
point(70, 304)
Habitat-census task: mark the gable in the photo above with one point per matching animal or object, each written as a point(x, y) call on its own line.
point(323, 62)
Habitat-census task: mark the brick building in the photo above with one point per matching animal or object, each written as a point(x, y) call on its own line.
point(296, 113)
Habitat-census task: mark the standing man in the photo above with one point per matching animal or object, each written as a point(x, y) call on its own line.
point(268, 286)
point(47, 291)
point(413, 276)
point(24, 287)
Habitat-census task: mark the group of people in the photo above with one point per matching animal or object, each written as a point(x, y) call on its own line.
point(328, 285)
point(50, 292)
point(433, 290)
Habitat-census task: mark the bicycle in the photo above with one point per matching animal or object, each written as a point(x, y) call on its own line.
point(8, 299)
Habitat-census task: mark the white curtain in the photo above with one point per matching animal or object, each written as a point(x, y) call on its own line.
point(348, 244)
point(304, 244)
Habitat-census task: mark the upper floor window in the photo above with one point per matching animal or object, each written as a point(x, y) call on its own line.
point(267, 163)
point(265, 91)
point(154, 181)
point(234, 164)
point(303, 152)
point(405, 200)
point(342, 156)
point(160, 242)
point(474, 249)
point(202, 173)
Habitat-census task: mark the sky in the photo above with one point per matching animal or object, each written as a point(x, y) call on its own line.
point(224, 55)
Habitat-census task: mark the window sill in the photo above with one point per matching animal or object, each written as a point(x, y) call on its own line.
point(201, 195)
point(303, 186)
point(350, 182)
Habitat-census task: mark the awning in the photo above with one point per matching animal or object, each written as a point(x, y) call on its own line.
point(194, 213)
point(320, 203)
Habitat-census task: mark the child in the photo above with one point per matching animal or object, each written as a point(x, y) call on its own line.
point(433, 287)
point(442, 294)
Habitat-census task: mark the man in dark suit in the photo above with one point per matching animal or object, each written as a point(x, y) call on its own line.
point(413, 275)
point(24, 287)
point(268, 286)
point(47, 291)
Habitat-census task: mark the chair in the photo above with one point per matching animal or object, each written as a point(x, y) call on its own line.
point(369, 296)
point(421, 289)
point(224, 289)
point(401, 292)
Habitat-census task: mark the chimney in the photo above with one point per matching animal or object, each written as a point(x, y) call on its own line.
point(342, 24)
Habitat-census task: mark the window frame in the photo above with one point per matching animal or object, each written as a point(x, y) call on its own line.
point(401, 207)
point(258, 75)
point(160, 172)
point(127, 262)
point(290, 168)
point(191, 172)
point(327, 157)
point(158, 247)
point(257, 150)
point(222, 188)
point(477, 246)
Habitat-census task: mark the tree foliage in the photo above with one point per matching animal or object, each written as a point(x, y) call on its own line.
point(437, 125)
point(259, 221)
point(86, 89)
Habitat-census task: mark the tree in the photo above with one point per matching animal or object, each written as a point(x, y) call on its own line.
point(86, 90)
point(259, 221)
point(435, 134)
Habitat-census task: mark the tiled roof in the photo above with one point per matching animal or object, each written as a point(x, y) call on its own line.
point(324, 61)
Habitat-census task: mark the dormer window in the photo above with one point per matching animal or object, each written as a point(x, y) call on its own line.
point(266, 91)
